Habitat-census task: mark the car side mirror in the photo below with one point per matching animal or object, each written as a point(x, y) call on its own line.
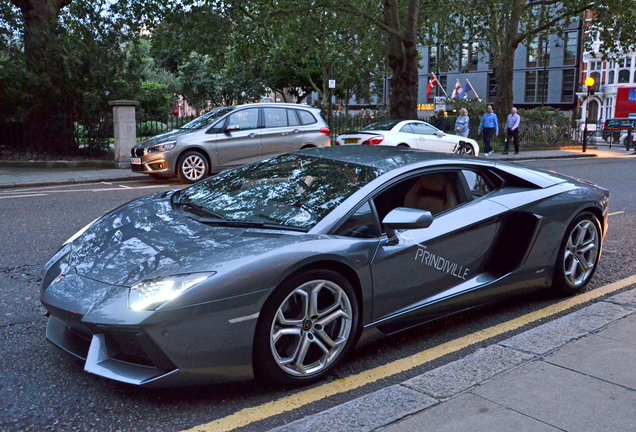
point(440, 134)
point(405, 218)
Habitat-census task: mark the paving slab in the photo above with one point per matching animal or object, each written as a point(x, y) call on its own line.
point(622, 331)
point(547, 337)
point(627, 298)
point(562, 398)
point(366, 413)
point(468, 413)
point(603, 358)
point(462, 374)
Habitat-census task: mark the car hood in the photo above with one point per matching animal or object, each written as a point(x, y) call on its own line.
point(148, 238)
point(173, 135)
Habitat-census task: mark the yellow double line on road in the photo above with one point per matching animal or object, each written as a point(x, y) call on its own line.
point(247, 416)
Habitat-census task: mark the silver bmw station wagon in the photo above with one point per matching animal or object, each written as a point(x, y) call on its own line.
point(228, 137)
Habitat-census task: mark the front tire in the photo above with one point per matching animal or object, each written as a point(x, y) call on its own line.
point(306, 327)
point(579, 254)
point(192, 167)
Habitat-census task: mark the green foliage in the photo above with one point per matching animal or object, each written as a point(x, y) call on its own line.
point(151, 128)
point(154, 98)
point(546, 127)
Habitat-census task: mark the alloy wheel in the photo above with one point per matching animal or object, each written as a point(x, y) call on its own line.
point(311, 328)
point(580, 253)
point(193, 167)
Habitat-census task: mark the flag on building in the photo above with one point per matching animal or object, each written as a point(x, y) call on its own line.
point(457, 91)
point(432, 82)
point(467, 88)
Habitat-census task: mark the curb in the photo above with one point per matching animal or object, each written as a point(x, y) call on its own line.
point(95, 164)
point(72, 181)
point(524, 158)
point(414, 396)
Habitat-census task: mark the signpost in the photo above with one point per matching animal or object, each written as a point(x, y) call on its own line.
point(589, 83)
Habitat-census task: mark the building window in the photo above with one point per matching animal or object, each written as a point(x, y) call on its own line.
point(567, 85)
point(569, 48)
point(536, 86)
point(538, 52)
point(492, 87)
point(447, 61)
point(625, 62)
point(432, 59)
point(597, 80)
point(610, 78)
point(470, 57)
point(623, 76)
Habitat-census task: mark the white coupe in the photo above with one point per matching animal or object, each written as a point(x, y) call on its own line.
point(410, 133)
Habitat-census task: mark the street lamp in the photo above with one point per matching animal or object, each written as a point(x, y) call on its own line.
point(589, 83)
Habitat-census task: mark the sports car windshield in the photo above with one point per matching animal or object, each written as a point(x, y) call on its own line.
point(387, 125)
point(290, 190)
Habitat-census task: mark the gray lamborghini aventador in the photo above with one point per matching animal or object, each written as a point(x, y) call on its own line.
point(275, 269)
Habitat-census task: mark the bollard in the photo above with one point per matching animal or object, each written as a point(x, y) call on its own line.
point(628, 138)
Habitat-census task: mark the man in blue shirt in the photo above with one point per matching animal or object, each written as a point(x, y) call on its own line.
point(512, 130)
point(490, 125)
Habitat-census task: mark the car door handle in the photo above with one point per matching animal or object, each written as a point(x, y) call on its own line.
point(296, 130)
point(252, 135)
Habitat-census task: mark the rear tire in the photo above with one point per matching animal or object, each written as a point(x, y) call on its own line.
point(308, 324)
point(192, 167)
point(403, 145)
point(466, 149)
point(579, 254)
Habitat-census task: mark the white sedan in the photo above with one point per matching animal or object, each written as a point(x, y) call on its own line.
point(410, 133)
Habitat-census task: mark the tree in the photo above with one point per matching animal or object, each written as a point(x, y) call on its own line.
point(399, 21)
point(505, 24)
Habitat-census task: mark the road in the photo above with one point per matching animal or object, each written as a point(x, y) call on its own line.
point(42, 388)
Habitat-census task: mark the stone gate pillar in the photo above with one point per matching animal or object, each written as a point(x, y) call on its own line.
point(125, 130)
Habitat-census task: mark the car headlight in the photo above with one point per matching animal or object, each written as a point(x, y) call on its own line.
point(162, 147)
point(80, 232)
point(152, 293)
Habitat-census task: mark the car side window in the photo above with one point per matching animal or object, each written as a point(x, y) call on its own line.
point(306, 117)
point(407, 129)
point(292, 118)
point(275, 117)
point(361, 224)
point(244, 119)
point(423, 129)
point(478, 184)
point(436, 192)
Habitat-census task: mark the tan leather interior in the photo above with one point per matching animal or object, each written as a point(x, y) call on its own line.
point(433, 192)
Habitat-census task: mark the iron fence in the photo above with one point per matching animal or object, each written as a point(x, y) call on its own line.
point(148, 126)
point(57, 137)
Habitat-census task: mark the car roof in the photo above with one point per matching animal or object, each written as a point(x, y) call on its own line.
point(386, 158)
point(279, 105)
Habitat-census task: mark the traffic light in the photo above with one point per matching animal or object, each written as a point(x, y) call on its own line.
point(589, 82)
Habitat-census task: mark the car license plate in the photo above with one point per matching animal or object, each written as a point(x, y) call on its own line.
point(351, 141)
point(135, 161)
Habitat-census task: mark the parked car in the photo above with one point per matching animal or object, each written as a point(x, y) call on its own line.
point(410, 133)
point(275, 269)
point(227, 137)
point(615, 127)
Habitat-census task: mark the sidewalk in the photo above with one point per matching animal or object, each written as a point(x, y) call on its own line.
point(31, 174)
point(575, 373)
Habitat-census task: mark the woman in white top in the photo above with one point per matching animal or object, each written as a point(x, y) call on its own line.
point(461, 124)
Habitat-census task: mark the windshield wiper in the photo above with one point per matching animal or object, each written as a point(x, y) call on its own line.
point(201, 209)
point(249, 224)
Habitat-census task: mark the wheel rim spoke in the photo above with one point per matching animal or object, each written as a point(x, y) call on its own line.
point(581, 253)
point(311, 328)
